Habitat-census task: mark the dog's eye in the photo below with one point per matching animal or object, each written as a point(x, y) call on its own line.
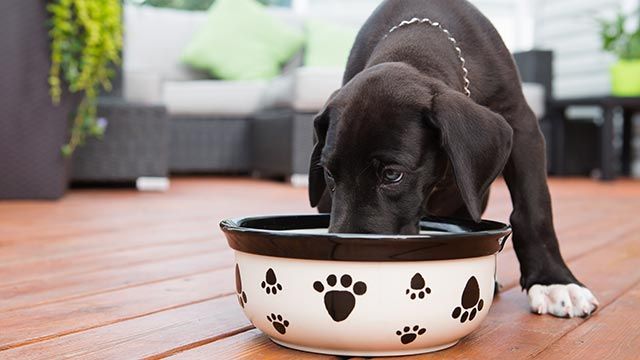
point(391, 175)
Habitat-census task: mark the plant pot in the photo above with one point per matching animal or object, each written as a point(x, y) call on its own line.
point(135, 144)
point(32, 129)
point(625, 78)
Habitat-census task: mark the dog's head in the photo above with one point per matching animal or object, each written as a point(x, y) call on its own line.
point(385, 139)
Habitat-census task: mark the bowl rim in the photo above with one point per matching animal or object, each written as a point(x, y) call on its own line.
point(472, 239)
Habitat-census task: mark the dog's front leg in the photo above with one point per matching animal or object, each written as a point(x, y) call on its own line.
point(551, 286)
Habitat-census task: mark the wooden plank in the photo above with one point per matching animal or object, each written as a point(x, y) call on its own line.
point(30, 270)
point(247, 345)
point(516, 303)
point(573, 244)
point(64, 287)
point(69, 216)
point(510, 331)
point(101, 242)
point(70, 229)
point(588, 226)
point(53, 320)
point(613, 334)
point(129, 331)
point(90, 223)
point(574, 213)
point(134, 326)
point(165, 332)
point(42, 269)
point(586, 233)
point(582, 226)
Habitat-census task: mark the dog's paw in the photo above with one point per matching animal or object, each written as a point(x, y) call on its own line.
point(569, 300)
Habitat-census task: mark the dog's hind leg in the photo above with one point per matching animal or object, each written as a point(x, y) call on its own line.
point(551, 286)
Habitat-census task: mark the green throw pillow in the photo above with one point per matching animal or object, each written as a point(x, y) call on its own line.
point(328, 44)
point(242, 41)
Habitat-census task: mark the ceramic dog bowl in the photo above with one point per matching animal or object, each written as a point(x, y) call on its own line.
point(364, 295)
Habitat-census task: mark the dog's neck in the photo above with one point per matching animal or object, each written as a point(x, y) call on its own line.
point(424, 47)
point(454, 43)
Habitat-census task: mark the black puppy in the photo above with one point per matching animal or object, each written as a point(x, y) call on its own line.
point(406, 136)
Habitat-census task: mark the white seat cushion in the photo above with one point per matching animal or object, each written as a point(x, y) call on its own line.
point(279, 92)
point(313, 86)
point(155, 39)
point(535, 95)
point(213, 97)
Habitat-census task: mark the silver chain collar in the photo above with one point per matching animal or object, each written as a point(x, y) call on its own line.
point(451, 38)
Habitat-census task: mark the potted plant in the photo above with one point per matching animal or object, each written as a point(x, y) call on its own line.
point(86, 38)
point(70, 44)
point(625, 44)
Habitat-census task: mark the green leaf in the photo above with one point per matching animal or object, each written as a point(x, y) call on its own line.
point(86, 40)
point(616, 39)
point(66, 150)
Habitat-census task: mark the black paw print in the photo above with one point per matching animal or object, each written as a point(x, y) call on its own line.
point(278, 323)
point(340, 303)
point(270, 283)
point(470, 300)
point(408, 334)
point(242, 296)
point(418, 287)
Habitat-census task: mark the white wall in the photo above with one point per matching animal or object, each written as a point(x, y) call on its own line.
point(568, 27)
point(512, 18)
point(354, 12)
point(565, 26)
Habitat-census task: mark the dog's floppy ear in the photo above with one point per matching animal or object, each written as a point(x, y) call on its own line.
point(477, 142)
point(317, 183)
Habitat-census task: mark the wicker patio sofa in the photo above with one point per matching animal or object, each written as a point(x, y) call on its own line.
point(135, 145)
point(293, 126)
point(264, 126)
point(209, 120)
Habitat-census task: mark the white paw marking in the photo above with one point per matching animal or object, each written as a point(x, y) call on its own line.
point(569, 300)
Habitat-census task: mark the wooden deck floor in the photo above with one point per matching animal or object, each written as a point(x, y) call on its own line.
point(116, 274)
